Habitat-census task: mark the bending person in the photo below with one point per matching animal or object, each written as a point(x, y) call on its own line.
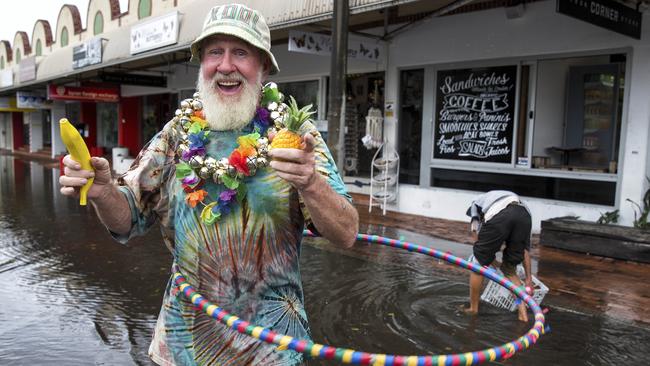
point(238, 247)
point(499, 217)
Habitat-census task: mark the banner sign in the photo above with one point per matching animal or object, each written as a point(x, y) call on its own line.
point(475, 114)
point(134, 79)
point(83, 94)
point(27, 70)
point(88, 53)
point(321, 44)
point(155, 33)
point(8, 104)
point(604, 13)
point(6, 78)
point(32, 100)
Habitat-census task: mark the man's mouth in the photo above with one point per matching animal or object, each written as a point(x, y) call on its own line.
point(229, 86)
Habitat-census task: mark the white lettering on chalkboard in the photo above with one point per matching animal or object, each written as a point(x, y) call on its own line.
point(475, 114)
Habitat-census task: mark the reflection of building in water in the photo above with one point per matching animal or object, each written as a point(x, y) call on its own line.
point(6, 176)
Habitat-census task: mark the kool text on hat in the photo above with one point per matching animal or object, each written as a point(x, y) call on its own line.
point(239, 21)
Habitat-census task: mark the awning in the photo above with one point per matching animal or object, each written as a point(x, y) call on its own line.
point(116, 45)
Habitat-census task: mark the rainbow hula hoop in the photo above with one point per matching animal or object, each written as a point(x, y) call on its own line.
point(350, 356)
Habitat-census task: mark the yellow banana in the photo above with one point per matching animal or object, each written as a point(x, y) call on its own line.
point(78, 151)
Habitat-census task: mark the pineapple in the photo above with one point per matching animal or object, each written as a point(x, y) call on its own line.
point(289, 137)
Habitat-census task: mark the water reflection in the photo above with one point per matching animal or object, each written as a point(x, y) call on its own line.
point(72, 296)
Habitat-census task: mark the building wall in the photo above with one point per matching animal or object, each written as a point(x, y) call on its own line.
point(69, 18)
point(43, 33)
point(488, 36)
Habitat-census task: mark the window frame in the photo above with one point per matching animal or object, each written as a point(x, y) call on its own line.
point(64, 37)
point(144, 5)
point(98, 17)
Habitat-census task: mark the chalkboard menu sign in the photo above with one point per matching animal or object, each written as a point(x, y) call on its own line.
point(475, 114)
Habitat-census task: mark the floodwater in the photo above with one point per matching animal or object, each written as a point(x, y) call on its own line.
point(69, 295)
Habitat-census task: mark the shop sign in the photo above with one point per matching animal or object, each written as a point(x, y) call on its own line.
point(6, 78)
point(8, 104)
point(83, 94)
point(475, 114)
point(604, 13)
point(27, 69)
point(32, 100)
point(155, 33)
point(134, 79)
point(87, 53)
point(321, 44)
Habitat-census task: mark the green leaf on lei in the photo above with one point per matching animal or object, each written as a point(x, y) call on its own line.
point(229, 182)
point(207, 216)
point(270, 95)
point(195, 128)
point(183, 170)
point(241, 193)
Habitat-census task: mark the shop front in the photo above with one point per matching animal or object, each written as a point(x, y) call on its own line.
point(93, 110)
point(552, 113)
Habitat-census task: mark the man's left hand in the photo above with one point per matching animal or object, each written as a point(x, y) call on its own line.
point(298, 167)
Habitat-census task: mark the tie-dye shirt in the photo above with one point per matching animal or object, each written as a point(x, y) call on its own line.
point(247, 262)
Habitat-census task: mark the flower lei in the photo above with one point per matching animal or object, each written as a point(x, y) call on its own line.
point(195, 167)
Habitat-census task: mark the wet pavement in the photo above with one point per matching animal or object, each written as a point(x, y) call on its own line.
point(72, 296)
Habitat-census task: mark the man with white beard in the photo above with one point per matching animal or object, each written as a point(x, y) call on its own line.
point(231, 210)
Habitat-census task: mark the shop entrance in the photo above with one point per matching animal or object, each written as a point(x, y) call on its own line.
point(364, 91)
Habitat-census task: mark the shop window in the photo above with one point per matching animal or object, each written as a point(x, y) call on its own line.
point(17, 55)
point(98, 23)
point(410, 125)
point(39, 48)
point(64, 37)
point(578, 113)
point(557, 188)
point(305, 92)
point(144, 9)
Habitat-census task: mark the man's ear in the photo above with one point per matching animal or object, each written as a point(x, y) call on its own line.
point(266, 68)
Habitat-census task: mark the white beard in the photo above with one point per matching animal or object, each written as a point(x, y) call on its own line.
point(224, 112)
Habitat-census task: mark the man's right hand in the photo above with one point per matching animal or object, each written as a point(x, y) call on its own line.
point(74, 177)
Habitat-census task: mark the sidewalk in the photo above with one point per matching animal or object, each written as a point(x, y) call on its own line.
point(577, 281)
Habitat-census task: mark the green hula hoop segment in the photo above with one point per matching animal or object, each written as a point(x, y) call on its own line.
point(349, 356)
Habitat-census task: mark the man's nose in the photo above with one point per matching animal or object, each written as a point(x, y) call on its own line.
point(226, 65)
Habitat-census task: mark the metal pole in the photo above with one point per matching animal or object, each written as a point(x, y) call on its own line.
point(338, 71)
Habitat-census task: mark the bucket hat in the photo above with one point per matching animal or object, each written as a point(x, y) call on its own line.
point(239, 21)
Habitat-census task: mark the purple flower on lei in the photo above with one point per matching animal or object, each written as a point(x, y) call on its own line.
point(261, 120)
point(224, 202)
point(187, 154)
point(191, 180)
point(227, 195)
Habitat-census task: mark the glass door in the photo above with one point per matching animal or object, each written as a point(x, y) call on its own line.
point(107, 125)
point(410, 125)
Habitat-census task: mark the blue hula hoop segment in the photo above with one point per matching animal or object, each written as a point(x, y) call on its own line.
point(350, 356)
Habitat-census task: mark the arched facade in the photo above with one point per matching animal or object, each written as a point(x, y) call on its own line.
point(110, 12)
point(6, 55)
point(70, 19)
point(22, 48)
point(42, 34)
